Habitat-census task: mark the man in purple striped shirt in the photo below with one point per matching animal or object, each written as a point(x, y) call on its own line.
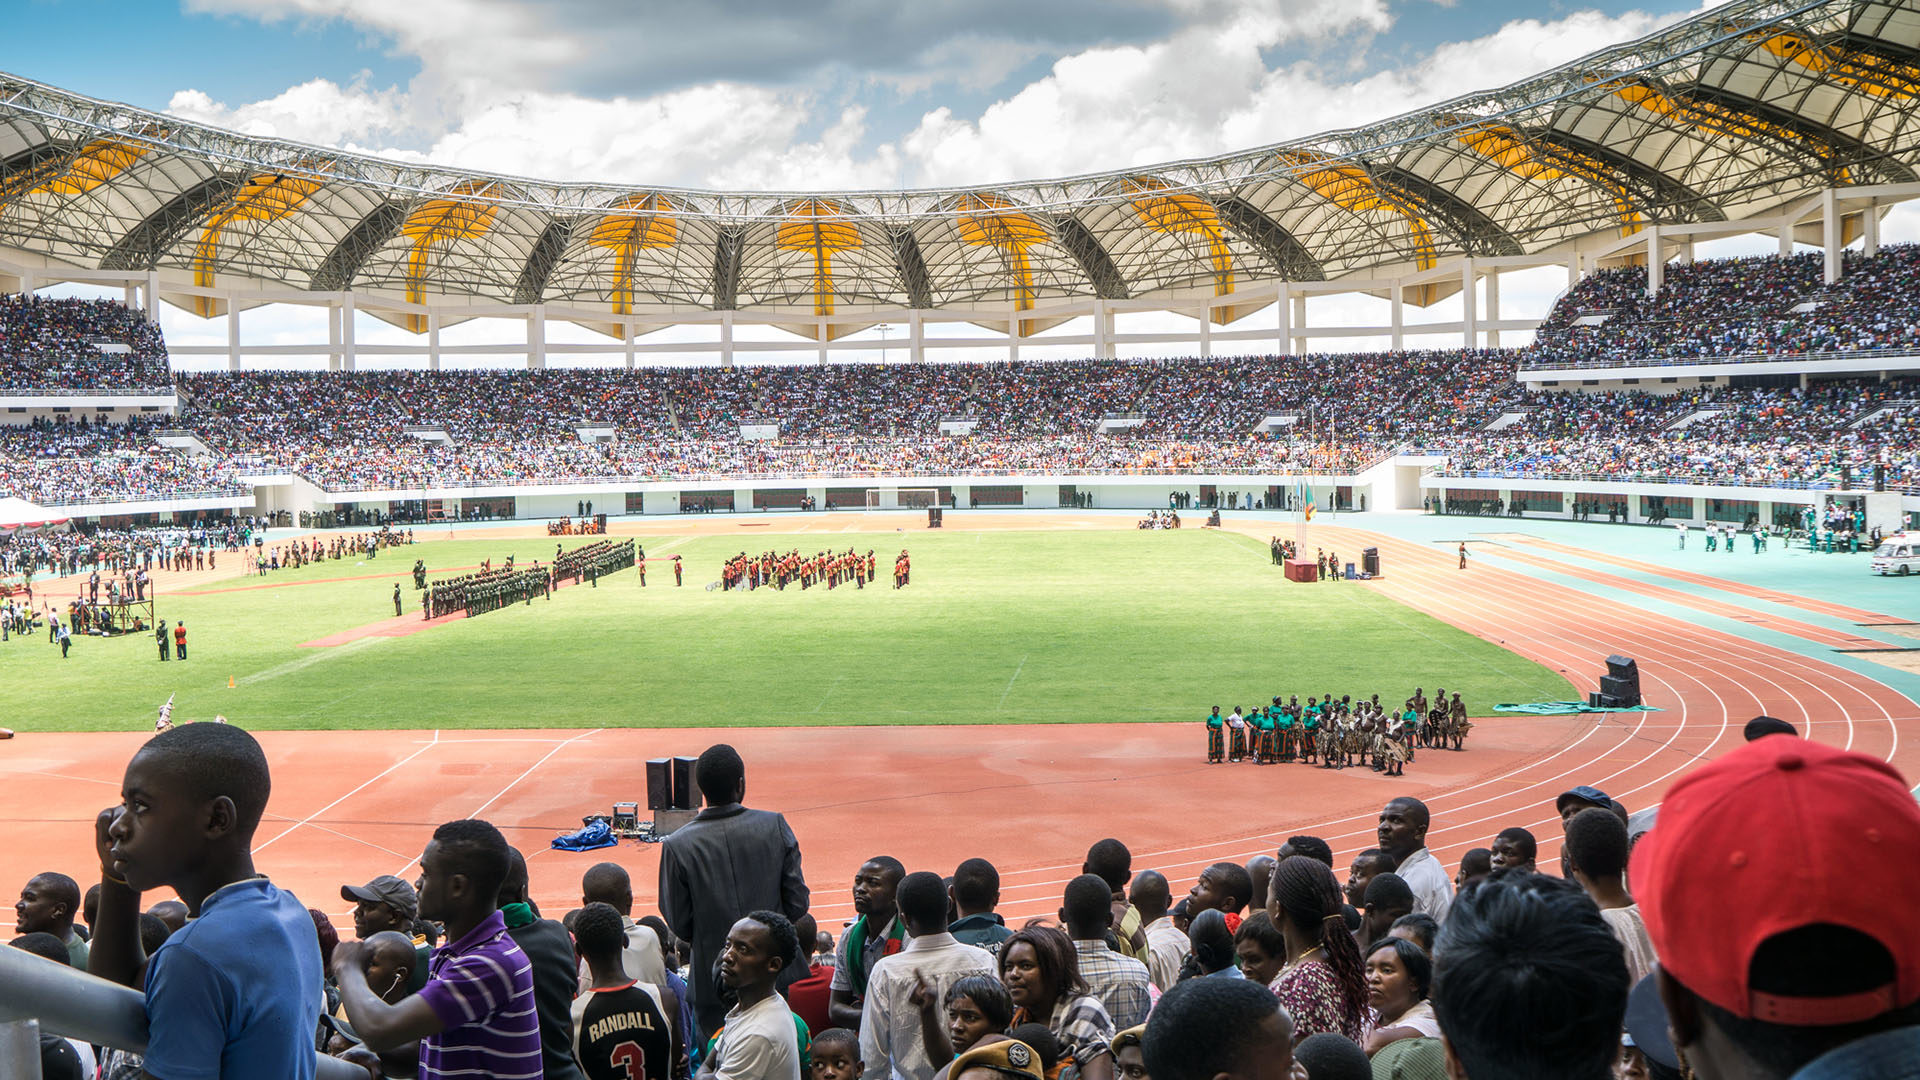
point(475, 1017)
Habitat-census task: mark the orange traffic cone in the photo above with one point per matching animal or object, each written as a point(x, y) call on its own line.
point(229, 682)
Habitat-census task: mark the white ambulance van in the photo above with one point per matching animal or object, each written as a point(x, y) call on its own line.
point(1897, 554)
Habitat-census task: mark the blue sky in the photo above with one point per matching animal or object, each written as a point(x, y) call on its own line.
point(757, 93)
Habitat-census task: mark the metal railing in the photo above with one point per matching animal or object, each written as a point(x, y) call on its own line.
point(38, 994)
point(1863, 355)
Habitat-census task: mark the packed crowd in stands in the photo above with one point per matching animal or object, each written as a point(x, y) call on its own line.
point(53, 345)
point(1761, 306)
point(1321, 413)
point(1644, 948)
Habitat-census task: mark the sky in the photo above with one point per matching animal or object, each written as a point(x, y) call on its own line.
point(794, 95)
point(755, 94)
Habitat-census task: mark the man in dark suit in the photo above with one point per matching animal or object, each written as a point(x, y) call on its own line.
point(724, 863)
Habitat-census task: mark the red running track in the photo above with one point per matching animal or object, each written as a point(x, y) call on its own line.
point(1031, 798)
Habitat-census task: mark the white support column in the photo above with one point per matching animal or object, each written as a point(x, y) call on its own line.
point(27, 284)
point(1493, 308)
point(333, 337)
point(1469, 307)
point(726, 339)
point(1685, 256)
point(1656, 262)
point(823, 341)
point(1285, 307)
point(233, 335)
point(128, 294)
point(150, 298)
point(537, 337)
point(916, 338)
point(1870, 229)
point(1831, 235)
point(626, 337)
point(433, 339)
point(1398, 304)
point(1013, 337)
point(1206, 332)
point(347, 362)
point(1573, 270)
point(1300, 326)
point(1786, 236)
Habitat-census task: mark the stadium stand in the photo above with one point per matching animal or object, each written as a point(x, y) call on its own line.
point(1330, 413)
point(53, 346)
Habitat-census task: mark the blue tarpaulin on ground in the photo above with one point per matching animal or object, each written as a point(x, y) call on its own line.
point(1565, 708)
point(595, 835)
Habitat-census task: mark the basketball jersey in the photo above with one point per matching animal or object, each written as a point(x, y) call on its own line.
point(622, 1033)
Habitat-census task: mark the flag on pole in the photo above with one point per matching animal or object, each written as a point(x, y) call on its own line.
point(1309, 512)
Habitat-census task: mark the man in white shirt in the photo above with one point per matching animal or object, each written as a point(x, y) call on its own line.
point(891, 1043)
point(644, 960)
point(758, 1040)
point(1403, 835)
point(1166, 945)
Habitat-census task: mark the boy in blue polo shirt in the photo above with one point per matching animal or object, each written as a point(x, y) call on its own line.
point(236, 992)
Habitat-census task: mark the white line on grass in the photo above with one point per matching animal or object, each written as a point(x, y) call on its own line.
point(828, 694)
point(1016, 674)
point(312, 657)
point(350, 794)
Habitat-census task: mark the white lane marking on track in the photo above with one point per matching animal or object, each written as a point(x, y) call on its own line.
point(382, 774)
point(561, 745)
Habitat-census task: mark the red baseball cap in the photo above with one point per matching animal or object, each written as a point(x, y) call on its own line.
point(1776, 835)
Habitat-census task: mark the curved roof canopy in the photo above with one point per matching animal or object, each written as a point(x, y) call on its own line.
point(1726, 115)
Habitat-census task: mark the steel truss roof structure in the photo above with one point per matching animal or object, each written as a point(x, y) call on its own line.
point(1717, 118)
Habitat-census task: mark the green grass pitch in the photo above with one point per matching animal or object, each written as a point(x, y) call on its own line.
point(998, 627)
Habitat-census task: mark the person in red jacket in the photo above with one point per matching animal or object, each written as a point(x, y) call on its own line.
point(180, 639)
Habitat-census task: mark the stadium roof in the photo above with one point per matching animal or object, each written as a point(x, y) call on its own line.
point(1720, 117)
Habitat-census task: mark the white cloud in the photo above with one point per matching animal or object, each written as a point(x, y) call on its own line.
point(317, 111)
point(483, 98)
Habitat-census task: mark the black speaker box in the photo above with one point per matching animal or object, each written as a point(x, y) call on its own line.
point(1622, 666)
point(659, 784)
point(685, 795)
point(1627, 690)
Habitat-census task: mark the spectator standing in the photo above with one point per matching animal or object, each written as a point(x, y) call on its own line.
point(1040, 968)
point(555, 968)
point(476, 1014)
point(1118, 980)
point(236, 991)
point(1805, 966)
point(1597, 853)
point(47, 905)
point(757, 1039)
point(891, 1039)
point(1403, 835)
point(976, 892)
point(1209, 1029)
point(1529, 946)
point(726, 862)
point(1323, 983)
point(608, 883)
point(1166, 944)
point(622, 1027)
point(878, 932)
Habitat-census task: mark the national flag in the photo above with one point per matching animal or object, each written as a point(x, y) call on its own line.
point(1309, 511)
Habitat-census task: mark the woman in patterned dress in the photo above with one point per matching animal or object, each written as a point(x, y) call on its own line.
point(1323, 983)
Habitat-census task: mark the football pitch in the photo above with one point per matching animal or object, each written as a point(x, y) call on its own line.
point(997, 627)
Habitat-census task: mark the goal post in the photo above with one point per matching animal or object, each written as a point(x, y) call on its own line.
point(902, 498)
